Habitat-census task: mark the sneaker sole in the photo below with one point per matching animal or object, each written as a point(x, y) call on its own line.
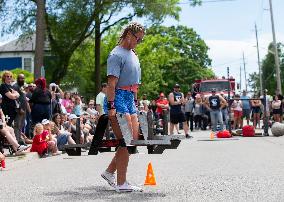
point(110, 183)
point(127, 190)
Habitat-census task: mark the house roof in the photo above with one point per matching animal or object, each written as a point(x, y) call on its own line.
point(22, 44)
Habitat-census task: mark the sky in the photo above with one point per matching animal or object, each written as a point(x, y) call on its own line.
point(228, 29)
point(227, 26)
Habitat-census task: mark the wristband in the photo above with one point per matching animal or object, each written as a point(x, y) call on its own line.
point(110, 105)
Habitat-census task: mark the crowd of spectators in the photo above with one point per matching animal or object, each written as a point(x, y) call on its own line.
point(42, 118)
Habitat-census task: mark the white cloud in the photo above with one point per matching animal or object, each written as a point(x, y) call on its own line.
point(228, 53)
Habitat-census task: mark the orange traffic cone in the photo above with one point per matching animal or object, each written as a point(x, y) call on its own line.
point(211, 135)
point(150, 177)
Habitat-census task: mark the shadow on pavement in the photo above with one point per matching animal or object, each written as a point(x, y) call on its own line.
point(102, 193)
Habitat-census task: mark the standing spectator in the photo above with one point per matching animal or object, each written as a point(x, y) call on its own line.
point(213, 104)
point(56, 95)
point(224, 111)
point(276, 109)
point(23, 106)
point(176, 99)
point(281, 98)
point(40, 102)
point(162, 104)
point(67, 102)
point(198, 111)
point(100, 99)
point(246, 107)
point(10, 97)
point(255, 104)
point(238, 109)
point(144, 103)
point(188, 108)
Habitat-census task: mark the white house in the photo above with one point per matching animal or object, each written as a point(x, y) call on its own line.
point(19, 53)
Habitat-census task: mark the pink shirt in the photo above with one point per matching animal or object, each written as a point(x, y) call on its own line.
point(67, 103)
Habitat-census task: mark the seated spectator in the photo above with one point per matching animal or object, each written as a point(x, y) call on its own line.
point(72, 128)
point(77, 110)
point(2, 157)
point(8, 133)
point(62, 135)
point(42, 142)
point(91, 108)
point(67, 102)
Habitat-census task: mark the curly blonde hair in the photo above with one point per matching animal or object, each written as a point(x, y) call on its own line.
point(133, 27)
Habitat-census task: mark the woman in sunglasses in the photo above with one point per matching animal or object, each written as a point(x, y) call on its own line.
point(10, 96)
point(124, 74)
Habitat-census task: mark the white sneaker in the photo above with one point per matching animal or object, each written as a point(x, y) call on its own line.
point(110, 178)
point(126, 187)
point(22, 148)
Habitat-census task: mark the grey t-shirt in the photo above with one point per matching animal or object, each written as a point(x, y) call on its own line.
point(124, 64)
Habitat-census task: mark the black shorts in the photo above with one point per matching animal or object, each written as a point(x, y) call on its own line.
point(277, 111)
point(176, 118)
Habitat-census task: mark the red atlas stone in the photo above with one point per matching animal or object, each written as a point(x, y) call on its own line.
point(248, 131)
point(224, 134)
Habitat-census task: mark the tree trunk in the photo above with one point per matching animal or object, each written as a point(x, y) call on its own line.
point(97, 56)
point(40, 33)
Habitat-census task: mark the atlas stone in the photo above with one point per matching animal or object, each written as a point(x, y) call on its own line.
point(277, 129)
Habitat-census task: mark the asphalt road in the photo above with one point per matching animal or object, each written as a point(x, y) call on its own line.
point(239, 169)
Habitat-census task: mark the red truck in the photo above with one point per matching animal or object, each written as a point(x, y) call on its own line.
point(221, 85)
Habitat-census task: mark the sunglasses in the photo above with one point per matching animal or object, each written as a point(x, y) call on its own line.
point(8, 76)
point(138, 40)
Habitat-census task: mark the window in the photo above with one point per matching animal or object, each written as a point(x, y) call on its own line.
point(28, 64)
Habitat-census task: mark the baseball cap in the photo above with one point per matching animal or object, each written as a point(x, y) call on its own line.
point(73, 116)
point(45, 121)
point(52, 84)
point(176, 85)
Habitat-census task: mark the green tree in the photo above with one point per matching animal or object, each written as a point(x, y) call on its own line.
point(268, 70)
point(70, 22)
point(165, 57)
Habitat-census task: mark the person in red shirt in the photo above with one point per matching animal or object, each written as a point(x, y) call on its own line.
point(162, 104)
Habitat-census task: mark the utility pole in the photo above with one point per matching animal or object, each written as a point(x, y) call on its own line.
point(276, 57)
point(240, 78)
point(246, 87)
point(258, 61)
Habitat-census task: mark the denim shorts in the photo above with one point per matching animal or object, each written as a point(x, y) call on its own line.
point(62, 139)
point(123, 102)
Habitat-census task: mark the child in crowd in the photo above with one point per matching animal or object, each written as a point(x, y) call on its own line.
point(42, 142)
